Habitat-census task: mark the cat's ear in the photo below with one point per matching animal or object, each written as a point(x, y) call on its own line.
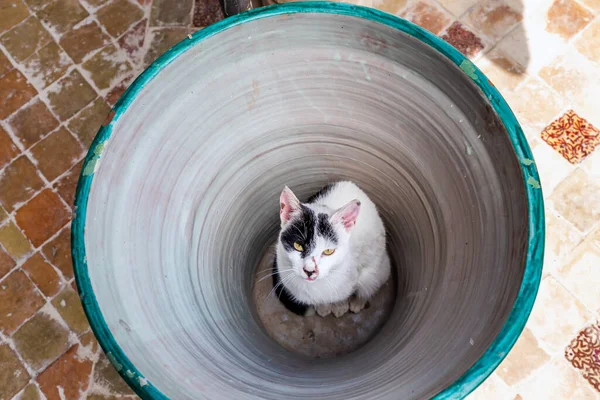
point(288, 205)
point(347, 215)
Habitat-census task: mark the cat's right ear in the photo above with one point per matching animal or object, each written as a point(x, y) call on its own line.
point(288, 205)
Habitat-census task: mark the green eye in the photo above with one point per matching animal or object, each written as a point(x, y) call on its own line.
point(298, 246)
point(328, 252)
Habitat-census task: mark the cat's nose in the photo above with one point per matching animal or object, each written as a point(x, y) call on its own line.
point(309, 273)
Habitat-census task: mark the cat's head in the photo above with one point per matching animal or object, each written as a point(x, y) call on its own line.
point(314, 238)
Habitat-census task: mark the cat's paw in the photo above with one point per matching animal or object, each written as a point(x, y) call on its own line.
point(341, 308)
point(323, 309)
point(357, 304)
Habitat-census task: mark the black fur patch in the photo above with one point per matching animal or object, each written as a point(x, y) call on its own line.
point(321, 193)
point(325, 229)
point(300, 230)
point(285, 296)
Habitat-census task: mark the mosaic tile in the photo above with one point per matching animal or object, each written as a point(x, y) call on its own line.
point(95, 3)
point(561, 239)
point(42, 217)
point(567, 18)
point(207, 12)
point(42, 274)
point(68, 377)
point(523, 360)
point(18, 301)
point(588, 43)
point(36, 5)
point(69, 307)
point(493, 18)
point(165, 12)
point(6, 263)
point(57, 153)
point(572, 136)
point(14, 92)
point(62, 15)
point(106, 376)
point(5, 64)
point(18, 183)
point(32, 122)
point(457, 7)
point(13, 12)
point(8, 150)
point(556, 316)
point(25, 39)
point(13, 241)
point(493, 388)
point(13, 375)
point(70, 94)
point(463, 40)
point(3, 215)
point(162, 40)
point(107, 67)
point(58, 252)
point(67, 184)
point(115, 93)
point(427, 16)
point(31, 392)
point(577, 199)
point(118, 16)
point(89, 120)
point(556, 380)
point(132, 42)
point(41, 340)
point(47, 65)
point(389, 6)
point(83, 40)
point(575, 274)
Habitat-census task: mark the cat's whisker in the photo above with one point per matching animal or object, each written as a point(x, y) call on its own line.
point(274, 273)
point(287, 277)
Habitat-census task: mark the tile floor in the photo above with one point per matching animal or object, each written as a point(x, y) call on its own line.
point(64, 63)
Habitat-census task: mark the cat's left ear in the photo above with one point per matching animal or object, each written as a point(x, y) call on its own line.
point(288, 205)
point(347, 215)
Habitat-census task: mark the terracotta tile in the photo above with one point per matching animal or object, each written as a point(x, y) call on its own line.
point(578, 272)
point(42, 274)
point(207, 12)
point(108, 67)
point(18, 301)
point(13, 241)
point(47, 65)
point(32, 122)
point(13, 375)
point(133, 41)
point(493, 18)
point(87, 123)
point(95, 3)
point(534, 104)
point(14, 92)
point(6, 263)
point(62, 15)
point(42, 217)
point(552, 167)
point(68, 377)
point(3, 215)
point(57, 153)
point(67, 184)
point(5, 64)
point(115, 93)
point(69, 307)
point(556, 316)
point(427, 16)
point(36, 5)
point(572, 136)
point(31, 392)
point(107, 377)
point(389, 6)
point(556, 380)
point(8, 150)
point(493, 388)
point(525, 357)
point(577, 199)
point(41, 340)
point(584, 354)
point(588, 43)
point(83, 40)
point(58, 252)
point(70, 94)
point(561, 239)
point(119, 15)
point(162, 40)
point(463, 40)
point(165, 12)
point(25, 39)
point(18, 183)
point(567, 18)
point(13, 12)
point(89, 343)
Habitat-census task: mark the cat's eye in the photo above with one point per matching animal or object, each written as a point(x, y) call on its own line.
point(328, 252)
point(298, 246)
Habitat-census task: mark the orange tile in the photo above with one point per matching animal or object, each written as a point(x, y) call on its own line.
point(25, 39)
point(523, 360)
point(572, 136)
point(58, 252)
point(428, 16)
point(14, 92)
point(8, 150)
point(62, 15)
point(6, 263)
point(13, 12)
point(584, 354)
point(588, 43)
point(5, 64)
point(68, 377)
point(32, 122)
point(13, 375)
point(493, 18)
point(18, 183)
point(57, 153)
point(18, 301)
point(567, 18)
point(67, 184)
point(42, 217)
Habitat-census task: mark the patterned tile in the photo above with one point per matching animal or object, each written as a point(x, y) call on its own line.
point(463, 40)
point(428, 16)
point(584, 354)
point(572, 136)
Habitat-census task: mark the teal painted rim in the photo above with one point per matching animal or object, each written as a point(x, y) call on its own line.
point(535, 250)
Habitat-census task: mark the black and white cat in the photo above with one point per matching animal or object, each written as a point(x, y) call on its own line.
point(331, 251)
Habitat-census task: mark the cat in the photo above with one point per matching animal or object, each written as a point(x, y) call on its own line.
point(331, 251)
